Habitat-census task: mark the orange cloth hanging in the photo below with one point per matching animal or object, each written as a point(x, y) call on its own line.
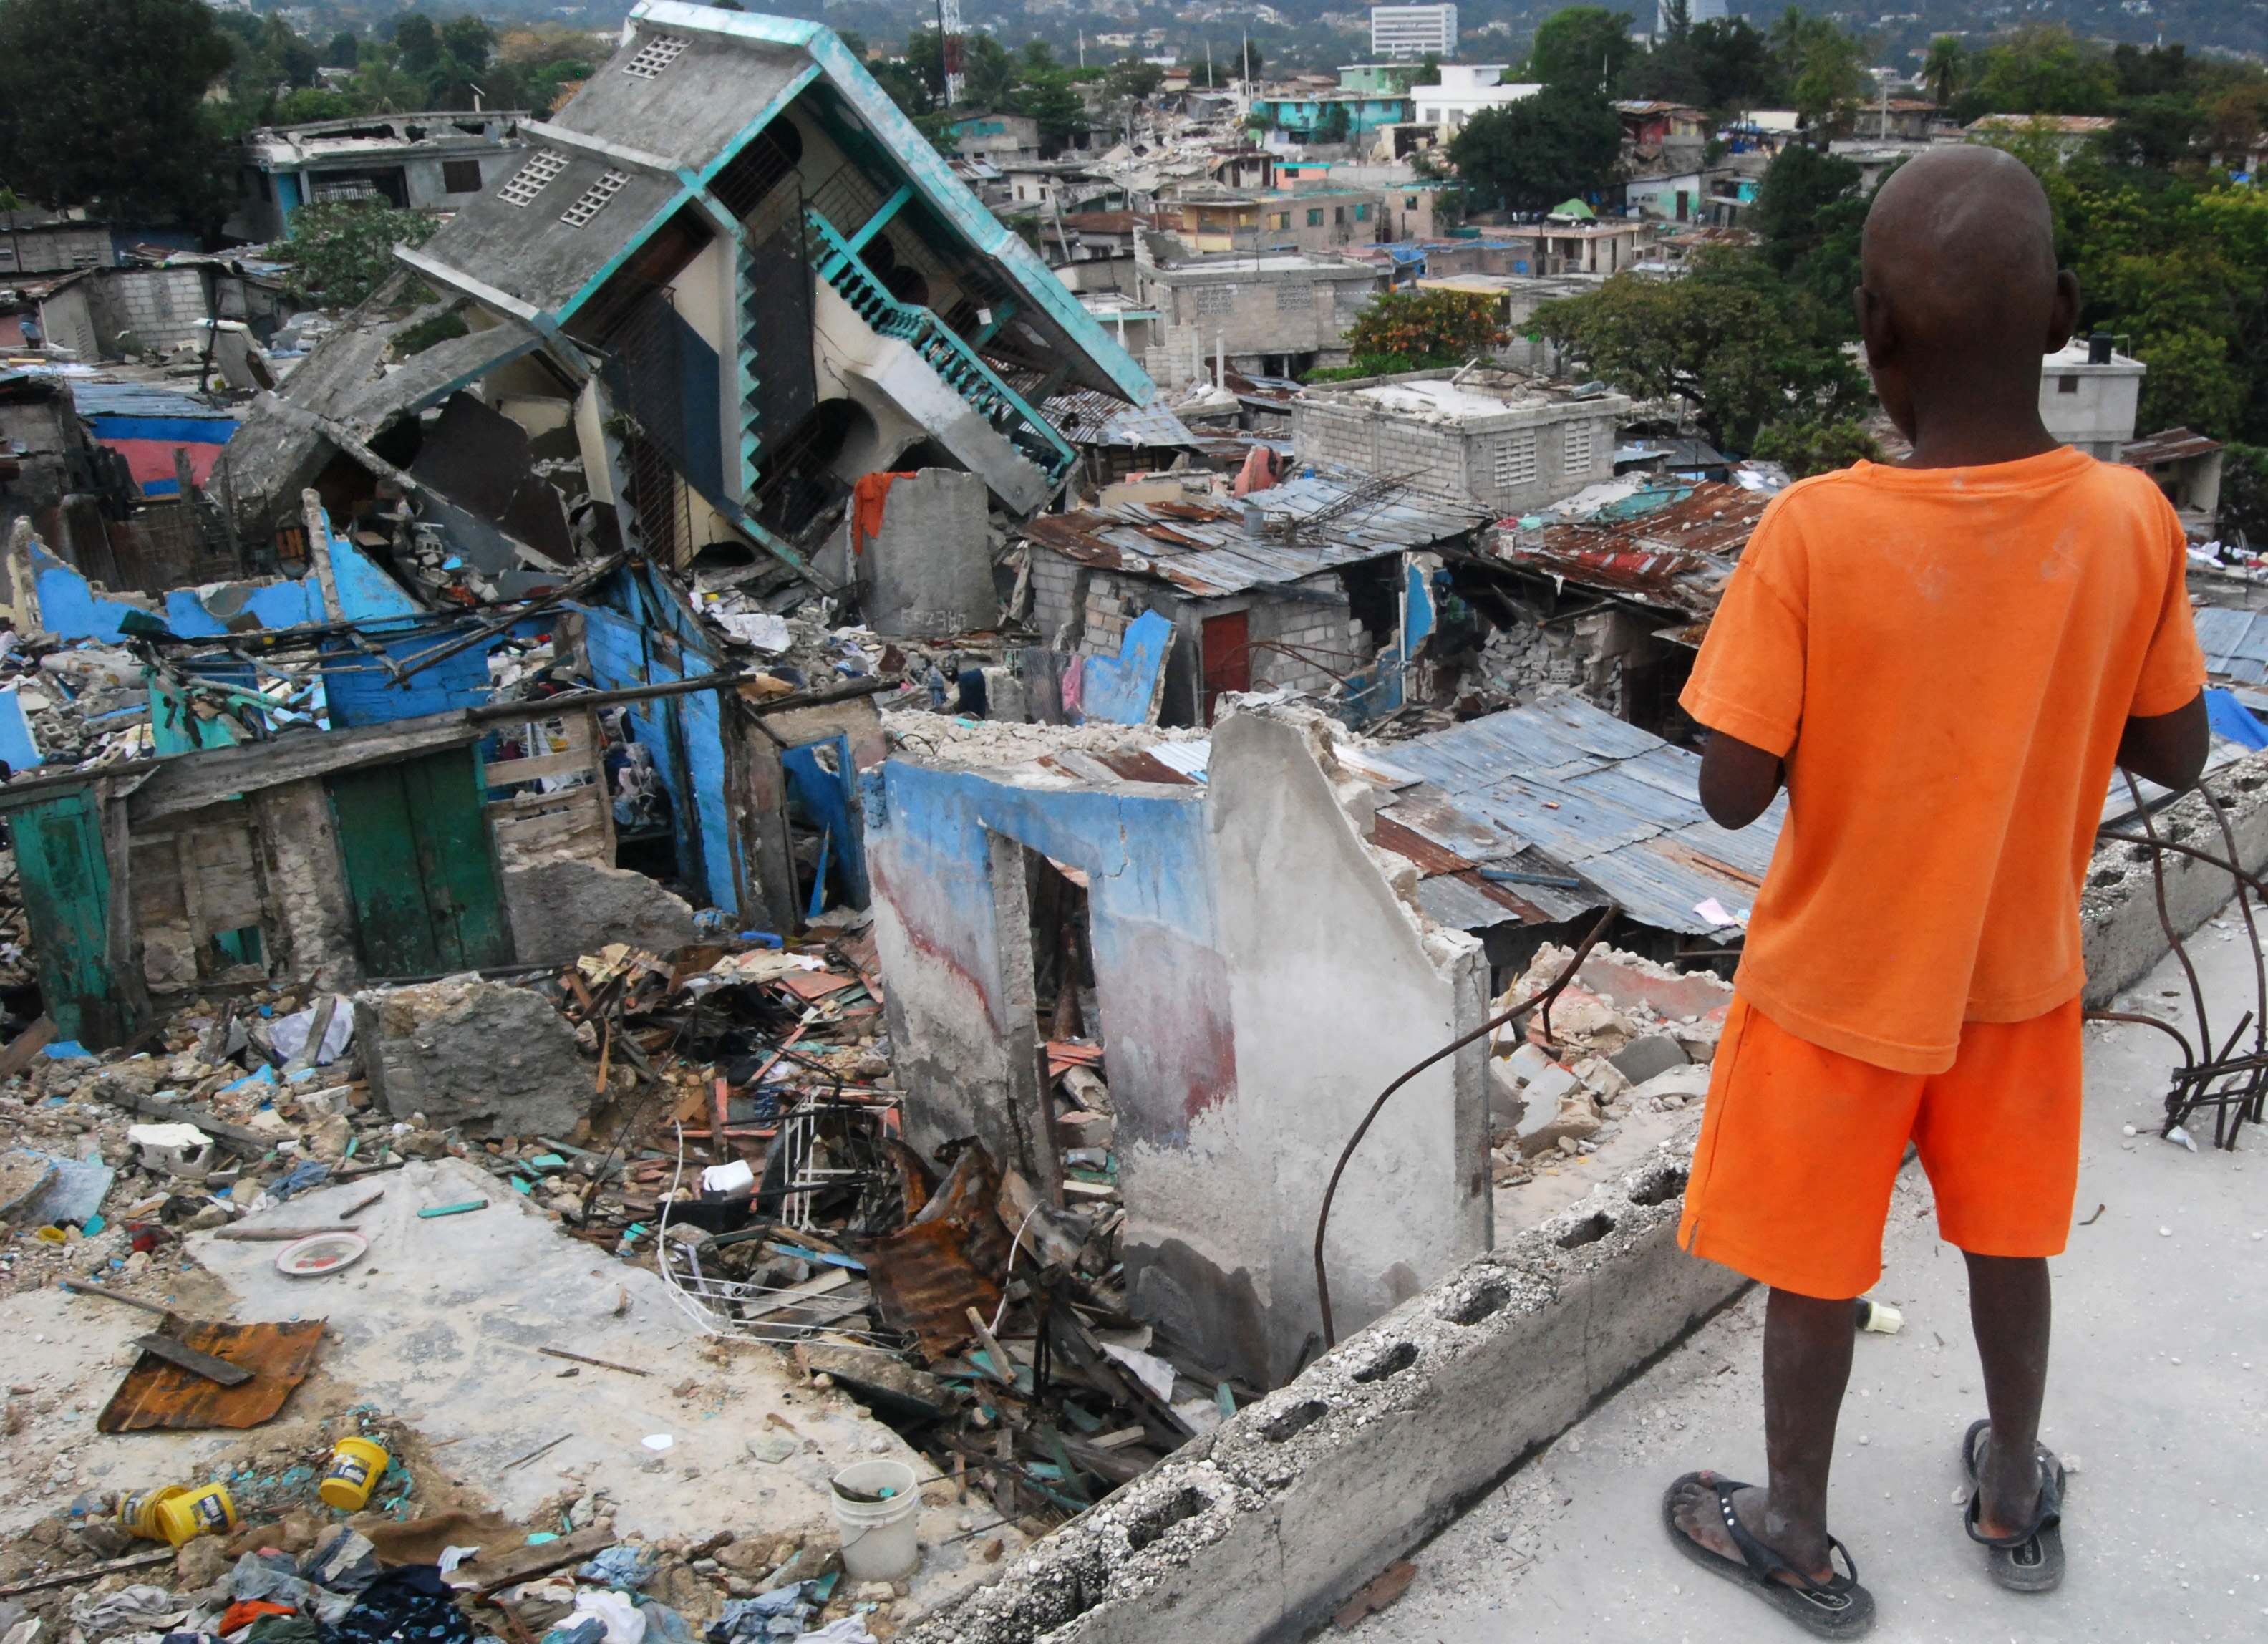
point(867, 499)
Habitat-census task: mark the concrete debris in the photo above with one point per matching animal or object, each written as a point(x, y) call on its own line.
point(463, 1051)
point(563, 908)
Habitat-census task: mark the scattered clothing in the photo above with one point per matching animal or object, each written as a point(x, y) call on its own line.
point(408, 1605)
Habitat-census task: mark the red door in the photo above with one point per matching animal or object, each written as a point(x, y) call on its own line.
point(1226, 645)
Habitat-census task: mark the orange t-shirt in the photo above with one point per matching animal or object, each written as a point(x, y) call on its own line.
point(1945, 658)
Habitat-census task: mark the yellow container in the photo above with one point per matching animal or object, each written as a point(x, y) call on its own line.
point(138, 1514)
point(357, 1466)
point(195, 1513)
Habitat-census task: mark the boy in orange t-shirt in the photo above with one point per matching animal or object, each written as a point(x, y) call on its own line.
point(1943, 660)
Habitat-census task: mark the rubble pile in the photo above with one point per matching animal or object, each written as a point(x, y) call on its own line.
point(1628, 1036)
point(83, 705)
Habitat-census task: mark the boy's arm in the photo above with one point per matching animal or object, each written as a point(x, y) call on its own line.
point(2167, 748)
point(1739, 780)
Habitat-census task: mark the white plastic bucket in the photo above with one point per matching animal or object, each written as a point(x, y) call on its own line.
point(877, 1537)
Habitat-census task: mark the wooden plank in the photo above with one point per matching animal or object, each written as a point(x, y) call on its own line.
point(149, 1107)
point(77, 1289)
point(26, 1046)
point(196, 1363)
point(519, 1564)
point(90, 1573)
point(573, 763)
point(193, 781)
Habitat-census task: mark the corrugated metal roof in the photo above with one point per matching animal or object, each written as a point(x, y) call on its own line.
point(2170, 446)
point(1616, 805)
point(1089, 416)
point(141, 399)
point(1678, 554)
point(1205, 548)
point(2235, 644)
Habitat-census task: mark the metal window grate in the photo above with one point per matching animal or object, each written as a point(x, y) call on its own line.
point(1579, 448)
point(656, 55)
point(594, 198)
point(1515, 461)
point(531, 179)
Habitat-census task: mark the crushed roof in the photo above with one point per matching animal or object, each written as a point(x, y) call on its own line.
point(2235, 644)
point(1086, 417)
point(2170, 446)
point(1671, 546)
point(1205, 548)
point(1619, 807)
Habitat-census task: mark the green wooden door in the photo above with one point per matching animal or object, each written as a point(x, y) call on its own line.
point(66, 886)
point(419, 865)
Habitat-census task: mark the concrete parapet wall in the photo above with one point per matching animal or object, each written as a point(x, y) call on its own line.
point(2120, 935)
point(1258, 1530)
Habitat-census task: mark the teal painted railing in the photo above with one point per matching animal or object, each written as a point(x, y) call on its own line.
point(956, 364)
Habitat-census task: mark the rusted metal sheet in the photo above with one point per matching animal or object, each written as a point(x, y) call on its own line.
point(1318, 523)
point(1430, 859)
point(1136, 765)
point(159, 1395)
point(953, 1256)
point(1677, 556)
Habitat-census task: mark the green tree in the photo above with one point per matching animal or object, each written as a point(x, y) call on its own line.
point(417, 44)
point(1807, 219)
point(1417, 330)
point(469, 40)
point(344, 50)
point(1809, 445)
point(2244, 493)
point(1730, 337)
point(2044, 70)
point(1582, 48)
point(1945, 71)
point(1134, 79)
point(100, 106)
point(1533, 153)
point(341, 253)
point(1336, 124)
point(1055, 104)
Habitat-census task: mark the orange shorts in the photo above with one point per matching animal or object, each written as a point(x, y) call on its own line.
point(1799, 1147)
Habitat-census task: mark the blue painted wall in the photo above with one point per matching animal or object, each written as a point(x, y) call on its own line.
point(1121, 688)
point(70, 608)
point(1170, 1053)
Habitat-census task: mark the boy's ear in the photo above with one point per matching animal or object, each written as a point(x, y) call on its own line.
point(2063, 313)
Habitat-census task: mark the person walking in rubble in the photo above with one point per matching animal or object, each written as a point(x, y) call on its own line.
point(1943, 660)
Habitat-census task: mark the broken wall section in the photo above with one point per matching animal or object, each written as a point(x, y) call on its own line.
point(1259, 980)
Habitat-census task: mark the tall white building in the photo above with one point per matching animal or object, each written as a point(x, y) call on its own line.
point(1696, 11)
point(1411, 31)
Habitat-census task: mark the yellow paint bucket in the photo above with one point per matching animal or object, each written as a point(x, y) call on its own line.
point(138, 1514)
point(357, 1466)
point(195, 1513)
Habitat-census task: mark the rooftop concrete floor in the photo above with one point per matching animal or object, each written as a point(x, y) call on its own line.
point(2156, 1394)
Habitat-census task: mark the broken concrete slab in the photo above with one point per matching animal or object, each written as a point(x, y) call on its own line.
point(1647, 1055)
point(463, 1050)
point(441, 1323)
point(563, 909)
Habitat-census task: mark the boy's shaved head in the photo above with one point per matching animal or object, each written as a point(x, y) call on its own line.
point(1960, 244)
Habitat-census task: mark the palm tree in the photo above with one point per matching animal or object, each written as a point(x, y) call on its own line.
point(1944, 69)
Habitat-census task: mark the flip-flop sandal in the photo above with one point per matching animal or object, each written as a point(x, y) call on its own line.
point(2031, 1561)
point(1837, 1609)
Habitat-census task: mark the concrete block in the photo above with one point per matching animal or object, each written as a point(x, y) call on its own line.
point(1643, 1058)
point(564, 908)
point(463, 1050)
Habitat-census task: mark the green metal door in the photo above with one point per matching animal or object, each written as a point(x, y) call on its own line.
point(419, 865)
point(66, 886)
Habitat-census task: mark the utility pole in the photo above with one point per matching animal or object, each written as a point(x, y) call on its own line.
point(948, 45)
point(1210, 84)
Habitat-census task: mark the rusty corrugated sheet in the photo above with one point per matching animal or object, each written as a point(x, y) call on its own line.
point(1678, 555)
point(951, 1257)
point(156, 1394)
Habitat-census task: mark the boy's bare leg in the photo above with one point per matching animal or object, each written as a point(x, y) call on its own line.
point(2008, 1309)
point(1807, 1364)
